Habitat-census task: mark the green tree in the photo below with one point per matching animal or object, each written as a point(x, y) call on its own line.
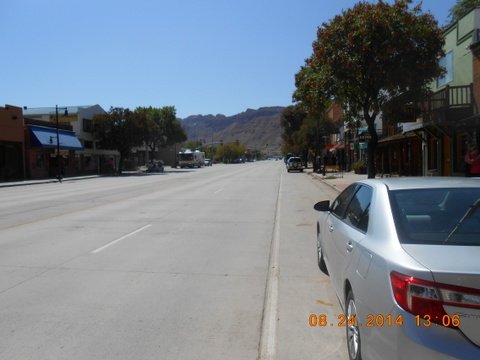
point(291, 120)
point(149, 123)
point(171, 129)
point(119, 130)
point(159, 127)
point(312, 93)
point(193, 145)
point(371, 54)
point(229, 153)
point(461, 8)
point(303, 134)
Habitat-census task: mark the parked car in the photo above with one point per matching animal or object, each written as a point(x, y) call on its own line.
point(239, 160)
point(288, 156)
point(403, 255)
point(155, 166)
point(208, 162)
point(294, 163)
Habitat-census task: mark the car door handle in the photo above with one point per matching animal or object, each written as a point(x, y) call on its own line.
point(330, 228)
point(349, 246)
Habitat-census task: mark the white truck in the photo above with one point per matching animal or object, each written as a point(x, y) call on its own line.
point(191, 159)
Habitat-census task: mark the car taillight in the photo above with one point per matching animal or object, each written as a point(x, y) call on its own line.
point(425, 298)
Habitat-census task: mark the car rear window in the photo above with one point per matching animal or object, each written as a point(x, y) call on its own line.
point(437, 216)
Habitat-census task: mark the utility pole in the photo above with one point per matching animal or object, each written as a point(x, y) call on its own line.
point(59, 172)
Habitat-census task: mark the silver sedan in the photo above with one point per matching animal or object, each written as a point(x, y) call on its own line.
point(403, 255)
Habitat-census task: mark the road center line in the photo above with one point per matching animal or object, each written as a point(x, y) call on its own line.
point(120, 239)
point(268, 336)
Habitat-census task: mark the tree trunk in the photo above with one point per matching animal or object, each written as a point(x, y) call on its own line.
point(372, 145)
point(147, 155)
point(120, 164)
point(371, 153)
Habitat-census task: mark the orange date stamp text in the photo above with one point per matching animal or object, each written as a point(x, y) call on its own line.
point(341, 320)
point(379, 320)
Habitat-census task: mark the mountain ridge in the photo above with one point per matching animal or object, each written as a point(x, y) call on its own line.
point(258, 129)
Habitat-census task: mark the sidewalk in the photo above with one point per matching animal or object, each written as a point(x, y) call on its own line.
point(66, 179)
point(44, 181)
point(338, 181)
point(125, 173)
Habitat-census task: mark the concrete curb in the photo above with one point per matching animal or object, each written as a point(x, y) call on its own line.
point(45, 181)
point(73, 178)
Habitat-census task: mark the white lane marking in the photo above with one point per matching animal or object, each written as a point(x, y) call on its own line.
point(216, 192)
point(268, 337)
point(120, 239)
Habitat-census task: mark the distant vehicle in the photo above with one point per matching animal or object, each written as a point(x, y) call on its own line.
point(288, 156)
point(294, 163)
point(238, 160)
point(403, 257)
point(208, 162)
point(155, 166)
point(191, 159)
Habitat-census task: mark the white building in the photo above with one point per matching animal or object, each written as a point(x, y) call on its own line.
point(92, 159)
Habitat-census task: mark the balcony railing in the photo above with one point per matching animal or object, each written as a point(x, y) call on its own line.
point(448, 105)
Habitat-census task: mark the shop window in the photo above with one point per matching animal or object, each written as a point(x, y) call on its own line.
point(446, 63)
point(87, 125)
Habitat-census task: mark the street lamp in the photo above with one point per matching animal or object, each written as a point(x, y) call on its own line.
point(59, 173)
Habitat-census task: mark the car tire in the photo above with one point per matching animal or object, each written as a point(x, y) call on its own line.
point(352, 330)
point(321, 262)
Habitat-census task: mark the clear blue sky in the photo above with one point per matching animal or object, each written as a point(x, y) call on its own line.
point(201, 56)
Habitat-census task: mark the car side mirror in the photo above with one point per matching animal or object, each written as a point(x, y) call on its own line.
point(322, 205)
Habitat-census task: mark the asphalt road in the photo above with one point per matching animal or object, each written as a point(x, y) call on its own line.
point(211, 263)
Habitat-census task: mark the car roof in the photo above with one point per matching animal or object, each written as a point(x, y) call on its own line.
point(427, 182)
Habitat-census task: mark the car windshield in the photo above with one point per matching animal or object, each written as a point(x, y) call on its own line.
point(437, 216)
point(187, 157)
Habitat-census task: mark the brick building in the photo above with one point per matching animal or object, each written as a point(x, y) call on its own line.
point(12, 144)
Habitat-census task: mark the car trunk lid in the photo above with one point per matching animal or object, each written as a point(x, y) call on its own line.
point(456, 269)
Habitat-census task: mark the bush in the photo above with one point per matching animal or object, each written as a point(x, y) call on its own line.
point(359, 167)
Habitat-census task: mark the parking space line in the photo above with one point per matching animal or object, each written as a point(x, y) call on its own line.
point(120, 239)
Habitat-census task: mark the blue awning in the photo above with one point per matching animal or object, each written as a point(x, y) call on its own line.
point(46, 137)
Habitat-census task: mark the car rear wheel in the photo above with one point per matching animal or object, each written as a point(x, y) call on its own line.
point(353, 333)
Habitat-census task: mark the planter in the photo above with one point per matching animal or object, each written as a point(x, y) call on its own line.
point(359, 167)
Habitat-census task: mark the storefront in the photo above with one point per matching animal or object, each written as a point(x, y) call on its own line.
point(42, 157)
point(400, 155)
